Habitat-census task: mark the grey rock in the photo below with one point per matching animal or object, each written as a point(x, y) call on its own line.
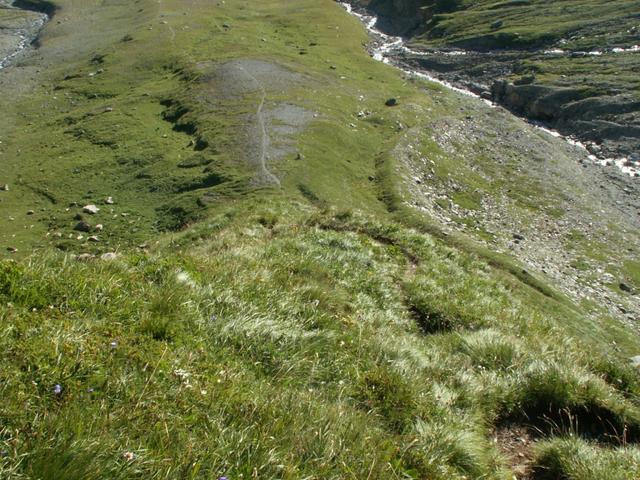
point(90, 209)
point(625, 288)
point(82, 227)
point(4, 188)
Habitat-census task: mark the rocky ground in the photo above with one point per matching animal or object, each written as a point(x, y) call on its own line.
point(523, 192)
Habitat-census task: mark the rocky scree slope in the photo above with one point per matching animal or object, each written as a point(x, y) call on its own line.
point(572, 64)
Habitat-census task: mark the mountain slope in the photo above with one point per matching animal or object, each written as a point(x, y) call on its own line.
point(272, 293)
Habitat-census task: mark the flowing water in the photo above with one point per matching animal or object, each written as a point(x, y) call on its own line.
point(21, 36)
point(385, 48)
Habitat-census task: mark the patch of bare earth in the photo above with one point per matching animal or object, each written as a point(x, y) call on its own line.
point(515, 443)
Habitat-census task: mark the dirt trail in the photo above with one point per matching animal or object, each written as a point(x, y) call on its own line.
point(264, 175)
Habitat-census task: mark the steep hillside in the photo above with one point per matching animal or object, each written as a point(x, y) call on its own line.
point(235, 246)
point(573, 64)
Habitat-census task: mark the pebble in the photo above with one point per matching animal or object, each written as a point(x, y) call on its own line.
point(93, 238)
point(90, 209)
point(109, 201)
point(30, 212)
point(109, 256)
point(4, 188)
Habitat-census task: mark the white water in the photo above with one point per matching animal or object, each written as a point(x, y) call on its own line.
point(387, 45)
point(24, 42)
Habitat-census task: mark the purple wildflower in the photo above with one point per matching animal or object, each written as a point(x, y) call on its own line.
point(57, 389)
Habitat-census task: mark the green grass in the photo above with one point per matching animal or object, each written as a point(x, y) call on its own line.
point(574, 459)
point(474, 23)
point(287, 343)
point(323, 329)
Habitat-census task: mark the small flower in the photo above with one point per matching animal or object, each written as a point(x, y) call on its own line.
point(90, 390)
point(129, 456)
point(181, 374)
point(113, 344)
point(223, 478)
point(57, 389)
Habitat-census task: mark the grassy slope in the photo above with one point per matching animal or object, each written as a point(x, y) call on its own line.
point(572, 25)
point(582, 22)
point(291, 333)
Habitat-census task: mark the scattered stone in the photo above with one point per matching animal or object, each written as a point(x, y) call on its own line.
point(109, 201)
point(94, 239)
point(30, 212)
point(392, 102)
point(99, 227)
point(12, 249)
point(226, 25)
point(90, 209)
point(82, 227)
point(635, 361)
point(497, 24)
point(333, 67)
point(518, 237)
point(85, 257)
point(109, 256)
point(4, 188)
